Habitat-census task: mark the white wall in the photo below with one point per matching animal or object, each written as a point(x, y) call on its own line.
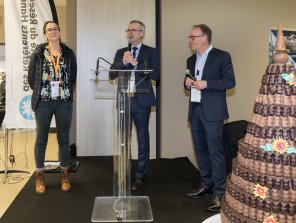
point(100, 32)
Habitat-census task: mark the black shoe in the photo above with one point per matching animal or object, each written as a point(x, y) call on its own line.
point(138, 184)
point(215, 204)
point(199, 192)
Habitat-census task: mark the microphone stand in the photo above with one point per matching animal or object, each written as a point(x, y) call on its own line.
point(111, 65)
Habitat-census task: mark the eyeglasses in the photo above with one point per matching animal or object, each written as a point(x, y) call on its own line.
point(133, 30)
point(54, 30)
point(193, 37)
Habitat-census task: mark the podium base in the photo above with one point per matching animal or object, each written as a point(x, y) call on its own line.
point(126, 209)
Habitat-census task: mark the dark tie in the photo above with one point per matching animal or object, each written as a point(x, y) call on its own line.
point(135, 51)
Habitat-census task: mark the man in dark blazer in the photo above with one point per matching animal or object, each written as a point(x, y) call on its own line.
point(139, 57)
point(210, 73)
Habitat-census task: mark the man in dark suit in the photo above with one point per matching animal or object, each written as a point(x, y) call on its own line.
point(210, 73)
point(139, 57)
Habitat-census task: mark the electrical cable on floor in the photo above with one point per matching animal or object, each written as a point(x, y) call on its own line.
point(14, 179)
point(12, 159)
point(25, 152)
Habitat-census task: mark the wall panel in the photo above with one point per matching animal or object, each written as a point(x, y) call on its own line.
point(101, 28)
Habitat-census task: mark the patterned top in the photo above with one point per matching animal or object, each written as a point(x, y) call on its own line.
point(49, 75)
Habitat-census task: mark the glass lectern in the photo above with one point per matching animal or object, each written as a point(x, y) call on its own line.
point(121, 207)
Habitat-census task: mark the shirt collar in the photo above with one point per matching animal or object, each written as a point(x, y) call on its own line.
point(206, 52)
point(138, 46)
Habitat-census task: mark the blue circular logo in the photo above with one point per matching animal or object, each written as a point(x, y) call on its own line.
point(25, 108)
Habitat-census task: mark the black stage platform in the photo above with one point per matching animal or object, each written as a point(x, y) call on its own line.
point(168, 182)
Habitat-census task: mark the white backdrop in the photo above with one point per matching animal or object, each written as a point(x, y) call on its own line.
point(101, 28)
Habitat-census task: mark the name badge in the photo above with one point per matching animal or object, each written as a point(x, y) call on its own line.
point(55, 88)
point(195, 95)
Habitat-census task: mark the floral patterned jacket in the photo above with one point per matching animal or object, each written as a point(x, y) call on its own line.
point(36, 68)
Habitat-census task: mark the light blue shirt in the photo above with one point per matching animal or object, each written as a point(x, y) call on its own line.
point(200, 62)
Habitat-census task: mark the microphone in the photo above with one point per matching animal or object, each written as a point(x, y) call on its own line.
point(97, 67)
point(129, 45)
point(111, 66)
point(188, 74)
point(129, 48)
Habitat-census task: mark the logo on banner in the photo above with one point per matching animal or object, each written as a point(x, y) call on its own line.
point(25, 108)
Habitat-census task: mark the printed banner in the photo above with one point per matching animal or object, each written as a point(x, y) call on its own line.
point(24, 21)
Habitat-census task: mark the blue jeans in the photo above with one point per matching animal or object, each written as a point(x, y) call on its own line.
point(63, 116)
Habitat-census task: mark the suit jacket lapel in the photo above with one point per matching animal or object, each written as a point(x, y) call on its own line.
point(141, 53)
point(208, 63)
point(191, 65)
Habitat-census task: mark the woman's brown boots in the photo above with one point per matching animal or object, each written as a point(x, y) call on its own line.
point(65, 184)
point(40, 185)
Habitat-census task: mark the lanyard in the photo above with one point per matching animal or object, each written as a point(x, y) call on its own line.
point(55, 64)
